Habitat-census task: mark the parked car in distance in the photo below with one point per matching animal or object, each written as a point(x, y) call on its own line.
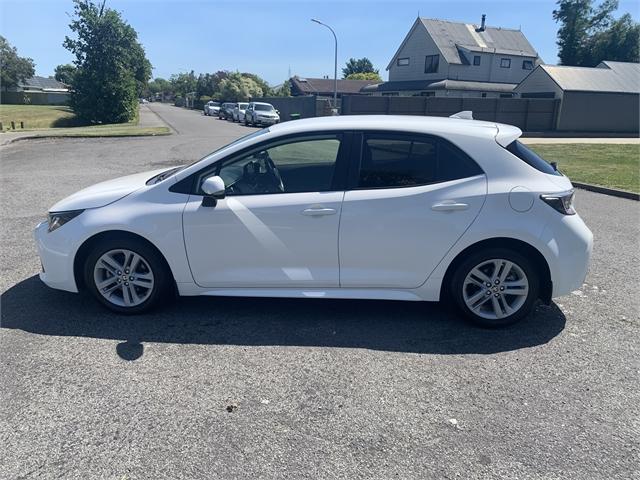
point(239, 110)
point(211, 108)
point(366, 207)
point(226, 111)
point(259, 113)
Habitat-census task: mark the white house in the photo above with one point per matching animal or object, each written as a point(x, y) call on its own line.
point(443, 58)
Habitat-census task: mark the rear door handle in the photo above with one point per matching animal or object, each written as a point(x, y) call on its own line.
point(449, 206)
point(317, 212)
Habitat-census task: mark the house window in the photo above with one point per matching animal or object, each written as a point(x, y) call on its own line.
point(476, 60)
point(427, 94)
point(390, 94)
point(506, 95)
point(403, 62)
point(483, 94)
point(527, 64)
point(431, 63)
point(505, 63)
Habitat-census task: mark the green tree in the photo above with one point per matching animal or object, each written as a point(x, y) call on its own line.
point(589, 34)
point(13, 68)
point(159, 86)
point(112, 69)
point(619, 43)
point(65, 73)
point(365, 76)
point(284, 90)
point(266, 89)
point(183, 83)
point(360, 65)
point(239, 88)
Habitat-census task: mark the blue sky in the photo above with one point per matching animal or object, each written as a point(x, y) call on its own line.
point(269, 37)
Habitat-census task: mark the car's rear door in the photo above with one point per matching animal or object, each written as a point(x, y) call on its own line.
point(410, 198)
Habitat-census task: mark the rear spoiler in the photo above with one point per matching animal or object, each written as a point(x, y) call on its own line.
point(505, 135)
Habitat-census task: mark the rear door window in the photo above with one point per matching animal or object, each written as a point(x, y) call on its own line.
point(399, 160)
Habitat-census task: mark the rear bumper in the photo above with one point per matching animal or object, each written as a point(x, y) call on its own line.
point(570, 243)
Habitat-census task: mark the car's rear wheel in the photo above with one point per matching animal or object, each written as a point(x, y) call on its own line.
point(496, 287)
point(127, 275)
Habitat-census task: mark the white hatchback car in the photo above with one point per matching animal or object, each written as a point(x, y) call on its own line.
point(368, 207)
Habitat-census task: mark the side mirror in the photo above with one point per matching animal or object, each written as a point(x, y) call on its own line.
point(214, 189)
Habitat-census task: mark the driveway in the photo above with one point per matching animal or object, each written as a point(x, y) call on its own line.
point(276, 388)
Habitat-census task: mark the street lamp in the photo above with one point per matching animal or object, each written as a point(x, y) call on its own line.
point(335, 66)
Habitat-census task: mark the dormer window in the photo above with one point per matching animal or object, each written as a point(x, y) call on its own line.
point(431, 63)
point(476, 60)
point(403, 62)
point(527, 64)
point(505, 63)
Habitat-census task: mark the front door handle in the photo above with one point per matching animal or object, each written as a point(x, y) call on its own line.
point(319, 211)
point(449, 206)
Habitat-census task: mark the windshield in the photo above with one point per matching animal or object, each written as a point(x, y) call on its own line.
point(225, 147)
point(264, 108)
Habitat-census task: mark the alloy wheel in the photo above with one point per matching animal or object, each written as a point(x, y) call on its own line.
point(123, 278)
point(495, 289)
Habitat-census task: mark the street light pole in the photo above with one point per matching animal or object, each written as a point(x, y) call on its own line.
point(335, 65)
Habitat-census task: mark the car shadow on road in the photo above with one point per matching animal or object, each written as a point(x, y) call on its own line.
point(416, 327)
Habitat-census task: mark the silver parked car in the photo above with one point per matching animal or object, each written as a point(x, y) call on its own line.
point(211, 108)
point(239, 110)
point(259, 113)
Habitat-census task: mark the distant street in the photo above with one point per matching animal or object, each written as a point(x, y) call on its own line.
point(236, 388)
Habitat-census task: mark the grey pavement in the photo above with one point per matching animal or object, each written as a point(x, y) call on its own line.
point(315, 388)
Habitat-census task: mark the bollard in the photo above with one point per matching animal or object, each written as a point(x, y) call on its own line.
point(13, 125)
point(22, 125)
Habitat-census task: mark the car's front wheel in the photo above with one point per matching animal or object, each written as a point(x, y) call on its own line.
point(126, 275)
point(495, 287)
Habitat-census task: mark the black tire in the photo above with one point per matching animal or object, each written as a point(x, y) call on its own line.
point(457, 286)
point(162, 279)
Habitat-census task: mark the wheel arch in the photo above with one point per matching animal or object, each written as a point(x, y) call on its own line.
point(524, 248)
point(89, 243)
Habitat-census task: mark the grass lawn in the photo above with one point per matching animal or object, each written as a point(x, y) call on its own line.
point(36, 116)
point(59, 121)
point(609, 165)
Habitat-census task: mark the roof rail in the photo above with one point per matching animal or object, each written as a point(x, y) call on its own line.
point(465, 115)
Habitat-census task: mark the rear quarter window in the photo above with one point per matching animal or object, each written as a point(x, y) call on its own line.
point(531, 158)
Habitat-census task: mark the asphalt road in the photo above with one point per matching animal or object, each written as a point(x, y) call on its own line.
point(315, 388)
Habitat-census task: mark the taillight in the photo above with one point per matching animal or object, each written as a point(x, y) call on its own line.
point(562, 202)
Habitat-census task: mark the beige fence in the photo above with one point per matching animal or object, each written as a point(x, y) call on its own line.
point(34, 98)
point(532, 115)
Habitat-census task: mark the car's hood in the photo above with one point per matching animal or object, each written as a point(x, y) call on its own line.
point(104, 193)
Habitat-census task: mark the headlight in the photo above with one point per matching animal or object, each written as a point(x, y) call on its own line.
point(57, 219)
point(562, 202)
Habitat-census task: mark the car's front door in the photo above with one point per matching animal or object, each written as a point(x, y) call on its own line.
point(278, 224)
point(411, 198)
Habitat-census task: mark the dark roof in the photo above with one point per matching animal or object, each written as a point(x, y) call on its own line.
point(43, 83)
point(450, 37)
point(324, 86)
point(617, 77)
point(445, 84)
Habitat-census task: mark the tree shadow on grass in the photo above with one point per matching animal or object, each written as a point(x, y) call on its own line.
point(415, 327)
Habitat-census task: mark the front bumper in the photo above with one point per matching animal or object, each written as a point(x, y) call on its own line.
point(267, 121)
point(56, 253)
point(570, 244)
